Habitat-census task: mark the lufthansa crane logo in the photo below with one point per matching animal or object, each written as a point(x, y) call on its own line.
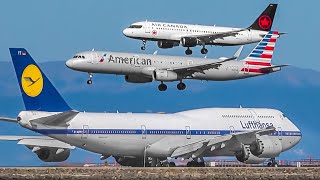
point(265, 22)
point(32, 81)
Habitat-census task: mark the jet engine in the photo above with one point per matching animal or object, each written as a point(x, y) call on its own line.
point(164, 75)
point(49, 154)
point(245, 156)
point(167, 44)
point(130, 161)
point(137, 79)
point(266, 148)
point(189, 41)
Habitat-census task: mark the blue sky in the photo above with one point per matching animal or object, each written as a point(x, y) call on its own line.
point(55, 30)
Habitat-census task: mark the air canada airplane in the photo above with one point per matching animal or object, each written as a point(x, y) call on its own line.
point(169, 35)
point(252, 135)
point(143, 68)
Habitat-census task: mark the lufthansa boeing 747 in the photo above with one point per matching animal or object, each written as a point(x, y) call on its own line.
point(252, 135)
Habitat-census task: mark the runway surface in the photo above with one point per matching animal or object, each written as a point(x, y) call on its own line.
point(157, 173)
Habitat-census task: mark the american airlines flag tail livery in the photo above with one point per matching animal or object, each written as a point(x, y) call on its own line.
point(169, 35)
point(251, 135)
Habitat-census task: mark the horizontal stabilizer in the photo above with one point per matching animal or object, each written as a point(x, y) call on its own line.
point(273, 68)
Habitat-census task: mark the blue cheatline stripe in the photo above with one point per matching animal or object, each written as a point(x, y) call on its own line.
point(268, 36)
point(265, 40)
point(150, 132)
point(271, 32)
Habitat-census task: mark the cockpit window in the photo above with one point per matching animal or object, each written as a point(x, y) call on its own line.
point(135, 26)
point(284, 116)
point(78, 57)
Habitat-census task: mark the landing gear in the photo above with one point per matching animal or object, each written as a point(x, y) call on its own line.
point(272, 163)
point(181, 86)
point(188, 51)
point(162, 87)
point(204, 50)
point(195, 163)
point(90, 79)
point(143, 47)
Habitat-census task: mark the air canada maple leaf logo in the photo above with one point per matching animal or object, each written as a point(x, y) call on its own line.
point(265, 22)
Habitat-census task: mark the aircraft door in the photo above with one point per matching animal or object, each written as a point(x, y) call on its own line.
point(147, 27)
point(85, 132)
point(143, 132)
point(232, 131)
point(188, 132)
point(94, 58)
point(190, 62)
point(280, 133)
point(249, 35)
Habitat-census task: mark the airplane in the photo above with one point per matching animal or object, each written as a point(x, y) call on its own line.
point(252, 135)
point(169, 35)
point(144, 68)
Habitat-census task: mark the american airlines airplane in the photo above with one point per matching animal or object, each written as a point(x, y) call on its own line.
point(143, 68)
point(252, 135)
point(169, 35)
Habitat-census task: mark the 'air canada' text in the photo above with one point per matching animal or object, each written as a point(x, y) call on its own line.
point(129, 60)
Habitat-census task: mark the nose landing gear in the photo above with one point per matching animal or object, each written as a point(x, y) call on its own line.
point(90, 79)
point(143, 47)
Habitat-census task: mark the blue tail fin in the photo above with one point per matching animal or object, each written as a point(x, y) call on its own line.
point(37, 91)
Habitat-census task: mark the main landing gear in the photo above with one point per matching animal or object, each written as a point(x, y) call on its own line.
point(90, 79)
point(143, 47)
point(181, 86)
point(204, 50)
point(195, 163)
point(188, 51)
point(272, 163)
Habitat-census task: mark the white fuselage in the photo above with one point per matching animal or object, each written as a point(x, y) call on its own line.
point(157, 31)
point(144, 65)
point(130, 134)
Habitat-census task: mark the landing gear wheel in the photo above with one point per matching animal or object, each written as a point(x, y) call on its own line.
point(172, 164)
point(272, 163)
point(89, 81)
point(143, 47)
point(181, 86)
point(162, 87)
point(188, 51)
point(204, 51)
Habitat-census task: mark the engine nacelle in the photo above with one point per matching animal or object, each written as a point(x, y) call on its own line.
point(266, 148)
point(137, 79)
point(49, 155)
point(129, 161)
point(189, 41)
point(245, 156)
point(164, 75)
point(167, 44)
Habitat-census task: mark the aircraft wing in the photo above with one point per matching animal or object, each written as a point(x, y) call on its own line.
point(190, 69)
point(209, 38)
point(232, 141)
point(37, 141)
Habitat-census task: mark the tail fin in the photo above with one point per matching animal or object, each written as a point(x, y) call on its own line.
point(37, 91)
point(265, 20)
point(261, 55)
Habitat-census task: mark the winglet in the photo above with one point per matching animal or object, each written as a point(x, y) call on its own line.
point(238, 52)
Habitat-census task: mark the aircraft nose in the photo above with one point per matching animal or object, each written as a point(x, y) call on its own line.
point(126, 32)
point(69, 63)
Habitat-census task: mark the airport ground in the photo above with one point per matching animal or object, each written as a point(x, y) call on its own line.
point(158, 173)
